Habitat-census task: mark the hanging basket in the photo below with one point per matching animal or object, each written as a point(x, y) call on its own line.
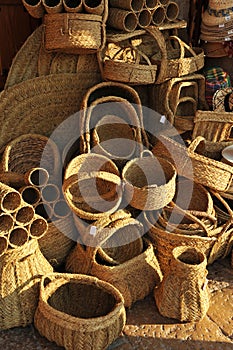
point(79, 309)
point(134, 278)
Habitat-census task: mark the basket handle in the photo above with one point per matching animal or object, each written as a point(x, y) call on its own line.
point(158, 36)
point(183, 46)
point(146, 153)
point(195, 143)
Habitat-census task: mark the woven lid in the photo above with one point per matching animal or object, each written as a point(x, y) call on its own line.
point(218, 12)
point(219, 99)
point(39, 105)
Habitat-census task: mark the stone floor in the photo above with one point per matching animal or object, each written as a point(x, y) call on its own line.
point(147, 330)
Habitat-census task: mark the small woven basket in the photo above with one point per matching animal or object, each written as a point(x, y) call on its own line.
point(149, 182)
point(134, 278)
point(182, 61)
point(189, 300)
point(79, 312)
point(21, 271)
point(34, 7)
point(75, 33)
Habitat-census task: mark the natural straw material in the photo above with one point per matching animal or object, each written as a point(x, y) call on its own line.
point(18, 237)
point(37, 177)
point(134, 278)
point(144, 18)
point(79, 312)
point(122, 19)
point(20, 273)
point(34, 7)
point(24, 214)
point(12, 179)
point(38, 227)
point(50, 193)
point(131, 5)
point(73, 5)
point(158, 15)
point(189, 300)
point(172, 11)
point(10, 199)
point(43, 105)
point(3, 245)
point(151, 4)
point(25, 63)
point(95, 7)
point(53, 6)
point(30, 194)
point(149, 182)
point(6, 223)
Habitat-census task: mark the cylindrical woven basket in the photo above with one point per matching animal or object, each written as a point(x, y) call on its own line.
point(78, 311)
point(182, 61)
point(144, 18)
point(131, 5)
point(73, 5)
point(134, 278)
point(121, 19)
point(74, 33)
point(172, 11)
point(158, 15)
point(118, 236)
point(150, 182)
point(188, 301)
point(95, 7)
point(21, 271)
point(52, 6)
point(10, 199)
point(34, 7)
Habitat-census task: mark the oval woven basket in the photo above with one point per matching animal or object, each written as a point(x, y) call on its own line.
point(78, 311)
point(149, 182)
point(118, 236)
point(135, 278)
point(21, 271)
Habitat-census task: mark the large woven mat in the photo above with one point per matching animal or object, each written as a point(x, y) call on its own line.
point(39, 105)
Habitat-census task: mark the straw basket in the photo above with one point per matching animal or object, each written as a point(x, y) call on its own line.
point(182, 61)
point(134, 278)
point(191, 162)
point(118, 236)
point(34, 7)
point(126, 59)
point(75, 33)
point(189, 301)
point(21, 271)
point(92, 186)
point(149, 182)
point(79, 312)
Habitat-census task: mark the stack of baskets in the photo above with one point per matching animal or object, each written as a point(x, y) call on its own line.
point(92, 204)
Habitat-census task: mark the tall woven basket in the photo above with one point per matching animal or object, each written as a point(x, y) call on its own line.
point(21, 271)
point(188, 301)
point(79, 312)
point(135, 278)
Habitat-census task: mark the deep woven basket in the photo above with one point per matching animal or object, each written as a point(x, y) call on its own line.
point(135, 278)
point(21, 271)
point(189, 301)
point(79, 312)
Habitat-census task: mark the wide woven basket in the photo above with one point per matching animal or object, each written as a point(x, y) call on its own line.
point(75, 33)
point(191, 162)
point(118, 236)
point(189, 301)
point(180, 61)
point(21, 271)
point(135, 278)
point(79, 312)
point(150, 182)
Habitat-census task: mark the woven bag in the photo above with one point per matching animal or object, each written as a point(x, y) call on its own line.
point(174, 97)
point(118, 236)
point(30, 151)
point(92, 186)
point(75, 33)
point(182, 61)
point(21, 271)
point(189, 300)
point(191, 163)
point(214, 126)
point(79, 312)
point(126, 58)
point(135, 278)
point(149, 182)
point(116, 92)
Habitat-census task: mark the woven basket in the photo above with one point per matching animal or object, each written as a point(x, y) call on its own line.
point(118, 236)
point(10, 199)
point(191, 163)
point(213, 126)
point(30, 151)
point(182, 61)
point(165, 99)
point(73, 5)
point(25, 63)
point(58, 241)
point(79, 312)
point(95, 7)
point(34, 7)
point(135, 278)
point(75, 33)
point(149, 182)
point(158, 15)
point(21, 271)
point(127, 4)
point(111, 91)
point(92, 186)
point(172, 11)
point(126, 59)
point(189, 300)
point(144, 18)
point(52, 6)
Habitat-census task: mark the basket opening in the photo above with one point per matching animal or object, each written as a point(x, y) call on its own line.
point(111, 90)
point(61, 209)
point(50, 193)
point(144, 18)
point(38, 227)
point(32, 2)
point(73, 3)
point(93, 3)
point(44, 210)
point(137, 5)
point(39, 177)
point(158, 15)
point(24, 215)
point(11, 201)
point(30, 195)
point(6, 222)
point(3, 244)
point(172, 11)
point(18, 237)
point(131, 21)
point(190, 257)
point(82, 300)
point(52, 3)
point(186, 108)
point(151, 4)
